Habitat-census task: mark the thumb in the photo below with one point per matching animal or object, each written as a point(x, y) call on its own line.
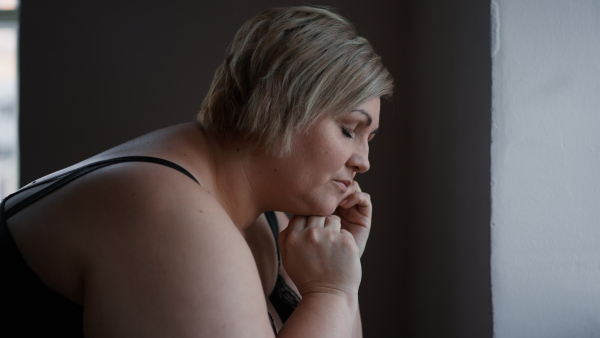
point(282, 240)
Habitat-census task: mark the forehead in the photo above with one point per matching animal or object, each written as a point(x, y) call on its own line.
point(372, 106)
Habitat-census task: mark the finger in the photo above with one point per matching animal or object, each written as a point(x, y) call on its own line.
point(355, 186)
point(282, 240)
point(365, 204)
point(333, 222)
point(348, 234)
point(359, 213)
point(297, 223)
point(350, 201)
point(364, 200)
point(315, 222)
point(360, 199)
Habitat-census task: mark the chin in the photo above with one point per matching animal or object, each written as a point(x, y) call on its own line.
point(314, 207)
point(323, 209)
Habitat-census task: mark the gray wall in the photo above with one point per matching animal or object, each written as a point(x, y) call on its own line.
point(546, 192)
point(94, 74)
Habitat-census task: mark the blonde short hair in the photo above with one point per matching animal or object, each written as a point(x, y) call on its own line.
point(284, 69)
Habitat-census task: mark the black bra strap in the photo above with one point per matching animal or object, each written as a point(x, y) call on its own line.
point(70, 176)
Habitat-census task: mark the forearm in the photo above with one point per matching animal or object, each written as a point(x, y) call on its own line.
point(357, 330)
point(322, 315)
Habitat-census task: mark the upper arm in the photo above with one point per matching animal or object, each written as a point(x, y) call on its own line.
point(171, 266)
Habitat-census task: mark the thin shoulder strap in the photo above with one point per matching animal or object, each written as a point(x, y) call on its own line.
point(73, 174)
point(274, 225)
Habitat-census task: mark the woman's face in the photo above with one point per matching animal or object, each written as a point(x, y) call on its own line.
point(314, 177)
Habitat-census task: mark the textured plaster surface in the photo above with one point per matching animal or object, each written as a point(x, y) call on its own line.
point(546, 168)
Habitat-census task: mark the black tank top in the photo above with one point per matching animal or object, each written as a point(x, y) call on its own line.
point(29, 308)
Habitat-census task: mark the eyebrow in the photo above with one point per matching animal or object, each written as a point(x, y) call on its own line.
point(364, 112)
point(370, 119)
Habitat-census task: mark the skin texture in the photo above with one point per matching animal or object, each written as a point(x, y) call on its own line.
point(150, 253)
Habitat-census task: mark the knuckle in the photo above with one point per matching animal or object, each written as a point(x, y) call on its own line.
point(333, 219)
point(331, 236)
point(348, 242)
point(292, 240)
point(312, 235)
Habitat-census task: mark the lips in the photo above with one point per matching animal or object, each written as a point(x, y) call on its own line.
point(344, 184)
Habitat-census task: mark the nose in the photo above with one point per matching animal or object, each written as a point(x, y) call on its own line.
point(359, 161)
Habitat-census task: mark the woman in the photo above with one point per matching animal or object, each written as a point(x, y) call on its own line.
point(170, 234)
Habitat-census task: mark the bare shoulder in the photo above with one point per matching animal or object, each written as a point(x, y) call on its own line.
point(164, 259)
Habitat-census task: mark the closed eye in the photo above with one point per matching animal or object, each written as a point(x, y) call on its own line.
point(347, 133)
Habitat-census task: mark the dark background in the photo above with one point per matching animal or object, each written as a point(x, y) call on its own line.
point(94, 74)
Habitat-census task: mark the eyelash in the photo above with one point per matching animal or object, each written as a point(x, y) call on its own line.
point(347, 133)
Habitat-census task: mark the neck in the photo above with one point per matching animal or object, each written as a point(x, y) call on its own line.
point(231, 186)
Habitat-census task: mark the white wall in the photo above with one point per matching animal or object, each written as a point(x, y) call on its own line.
point(546, 169)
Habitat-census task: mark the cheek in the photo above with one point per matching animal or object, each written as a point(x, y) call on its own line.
point(332, 155)
point(322, 153)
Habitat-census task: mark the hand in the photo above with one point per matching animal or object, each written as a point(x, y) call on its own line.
point(355, 213)
point(320, 256)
